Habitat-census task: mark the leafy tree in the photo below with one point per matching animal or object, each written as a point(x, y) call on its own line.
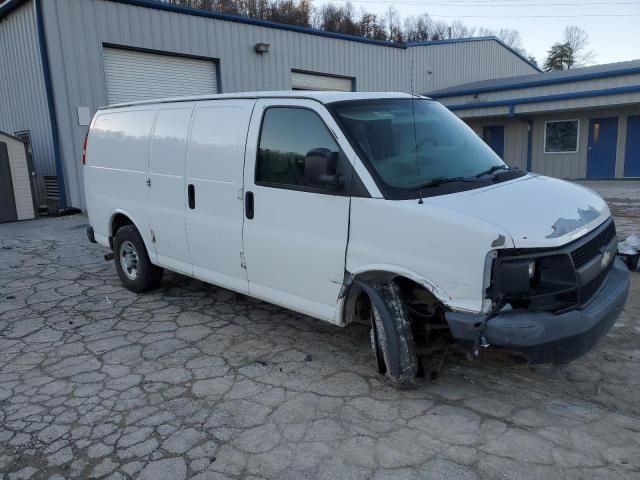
point(559, 57)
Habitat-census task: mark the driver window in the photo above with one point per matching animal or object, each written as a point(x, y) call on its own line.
point(287, 135)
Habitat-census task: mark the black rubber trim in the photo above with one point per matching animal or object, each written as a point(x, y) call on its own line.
point(393, 342)
point(91, 235)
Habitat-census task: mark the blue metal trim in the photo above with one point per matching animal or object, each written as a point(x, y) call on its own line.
point(10, 6)
point(474, 39)
point(529, 145)
point(253, 21)
point(44, 57)
point(540, 83)
point(546, 98)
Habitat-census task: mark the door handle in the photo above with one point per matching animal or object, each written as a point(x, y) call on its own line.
point(248, 205)
point(191, 191)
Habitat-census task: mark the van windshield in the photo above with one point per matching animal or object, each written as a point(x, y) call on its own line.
point(440, 150)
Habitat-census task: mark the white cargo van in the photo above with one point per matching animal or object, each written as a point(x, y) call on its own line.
point(383, 208)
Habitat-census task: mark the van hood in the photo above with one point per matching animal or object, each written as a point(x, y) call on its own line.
point(537, 211)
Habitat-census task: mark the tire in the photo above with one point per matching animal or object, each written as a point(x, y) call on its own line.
point(134, 268)
point(407, 359)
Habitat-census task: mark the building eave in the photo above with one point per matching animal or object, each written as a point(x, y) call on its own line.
point(545, 98)
point(516, 85)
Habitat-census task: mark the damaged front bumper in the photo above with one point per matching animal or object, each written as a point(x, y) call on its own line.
point(546, 337)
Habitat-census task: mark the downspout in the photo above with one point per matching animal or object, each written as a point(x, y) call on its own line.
point(44, 57)
point(529, 143)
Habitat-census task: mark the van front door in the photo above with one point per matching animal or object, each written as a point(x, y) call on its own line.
point(295, 234)
point(215, 158)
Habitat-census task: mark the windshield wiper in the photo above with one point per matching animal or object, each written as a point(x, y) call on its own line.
point(441, 180)
point(493, 169)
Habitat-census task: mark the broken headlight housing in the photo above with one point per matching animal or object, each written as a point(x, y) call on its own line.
point(536, 281)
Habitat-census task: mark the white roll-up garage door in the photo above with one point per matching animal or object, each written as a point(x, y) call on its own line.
point(133, 75)
point(314, 81)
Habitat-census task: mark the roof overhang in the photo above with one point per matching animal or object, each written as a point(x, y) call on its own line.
point(548, 103)
point(11, 5)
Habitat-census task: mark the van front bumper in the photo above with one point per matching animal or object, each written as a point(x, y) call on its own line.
point(547, 337)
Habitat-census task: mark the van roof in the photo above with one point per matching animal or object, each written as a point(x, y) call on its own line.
point(320, 96)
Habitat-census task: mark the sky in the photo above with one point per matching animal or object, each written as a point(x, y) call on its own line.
point(613, 25)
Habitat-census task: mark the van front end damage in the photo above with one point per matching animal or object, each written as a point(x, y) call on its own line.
point(549, 337)
point(552, 305)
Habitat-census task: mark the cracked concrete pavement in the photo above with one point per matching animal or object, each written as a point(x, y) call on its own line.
point(193, 381)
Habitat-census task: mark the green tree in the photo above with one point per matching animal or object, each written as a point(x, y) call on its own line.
point(559, 57)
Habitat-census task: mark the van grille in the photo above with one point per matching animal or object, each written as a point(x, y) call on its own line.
point(588, 290)
point(586, 252)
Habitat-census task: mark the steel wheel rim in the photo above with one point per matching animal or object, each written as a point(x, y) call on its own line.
point(129, 260)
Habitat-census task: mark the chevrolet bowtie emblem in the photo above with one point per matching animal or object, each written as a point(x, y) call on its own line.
point(606, 257)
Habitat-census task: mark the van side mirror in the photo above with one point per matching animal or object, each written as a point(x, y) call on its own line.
point(320, 169)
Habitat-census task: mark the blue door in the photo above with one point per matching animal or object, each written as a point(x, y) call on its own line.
point(632, 155)
point(494, 137)
point(601, 152)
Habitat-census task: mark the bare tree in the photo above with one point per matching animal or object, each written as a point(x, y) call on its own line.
point(578, 40)
point(333, 17)
point(510, 37)
point(395, 31)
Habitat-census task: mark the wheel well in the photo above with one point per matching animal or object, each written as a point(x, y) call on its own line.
point(118, 221)
point(424, 307)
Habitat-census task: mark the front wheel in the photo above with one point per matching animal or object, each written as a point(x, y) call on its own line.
point(134, 268)
point(406, 357)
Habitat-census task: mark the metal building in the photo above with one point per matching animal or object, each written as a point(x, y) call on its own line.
point(61, 60)
point(16, 199)
point(574, 124)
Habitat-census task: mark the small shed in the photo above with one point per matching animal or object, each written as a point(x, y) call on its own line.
point(16, 195)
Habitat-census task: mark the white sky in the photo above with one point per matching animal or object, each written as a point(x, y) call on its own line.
point(540, 22)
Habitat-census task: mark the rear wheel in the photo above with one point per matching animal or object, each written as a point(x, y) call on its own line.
point(134, 268)
point(406, 358)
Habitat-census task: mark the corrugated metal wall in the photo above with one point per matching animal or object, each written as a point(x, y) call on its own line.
point(574, 165)
point(19, 177)
point(515, 138)
point(561, 165)
point(458, 63)
point(23, 104)
point(76, 31)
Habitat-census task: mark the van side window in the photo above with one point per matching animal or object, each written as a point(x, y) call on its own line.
point(287, 135)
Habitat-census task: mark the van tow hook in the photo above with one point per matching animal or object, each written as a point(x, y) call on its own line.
point(108, 256)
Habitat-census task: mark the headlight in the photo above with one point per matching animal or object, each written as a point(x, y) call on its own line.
point(515, 276)
point(533, 281)
point(532, 269)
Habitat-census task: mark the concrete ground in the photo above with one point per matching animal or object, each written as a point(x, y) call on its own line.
point(194, 381)
point(623, 198)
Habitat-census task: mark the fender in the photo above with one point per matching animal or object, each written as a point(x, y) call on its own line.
point(362, 274)
point(118, 211)
point(396, 270)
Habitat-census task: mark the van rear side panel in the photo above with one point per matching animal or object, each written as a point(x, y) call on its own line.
point(115, 173)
